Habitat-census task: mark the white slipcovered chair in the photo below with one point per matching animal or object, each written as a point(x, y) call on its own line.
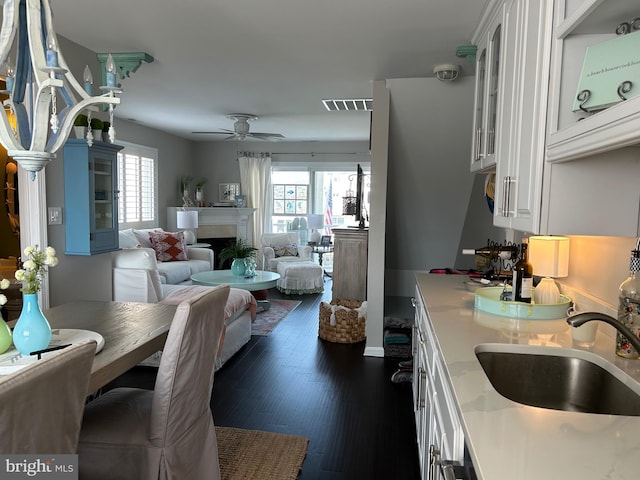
point(42, 404)
point(279, 248)
point(168, 432)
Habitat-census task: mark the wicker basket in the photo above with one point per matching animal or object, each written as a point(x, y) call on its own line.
point(349, 325)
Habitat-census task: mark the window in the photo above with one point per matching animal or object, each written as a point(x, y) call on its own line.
point(137, 174)
point(318, 189)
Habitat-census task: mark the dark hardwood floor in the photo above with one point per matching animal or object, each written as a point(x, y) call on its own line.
point(359, 424)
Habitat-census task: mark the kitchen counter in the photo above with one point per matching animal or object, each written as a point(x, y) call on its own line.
point(508, 440)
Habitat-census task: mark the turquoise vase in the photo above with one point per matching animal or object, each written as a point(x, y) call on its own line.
point(32, 331)
point(238, 266)
point(5, 336)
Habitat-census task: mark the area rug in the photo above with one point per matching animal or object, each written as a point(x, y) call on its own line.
point(267, 320)
point(257, 455)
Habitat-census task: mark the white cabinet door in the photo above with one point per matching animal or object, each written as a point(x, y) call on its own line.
point(438, 428)
point(489, 65)
point(519, 170)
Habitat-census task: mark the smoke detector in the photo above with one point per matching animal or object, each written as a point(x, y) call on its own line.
point(447, 72)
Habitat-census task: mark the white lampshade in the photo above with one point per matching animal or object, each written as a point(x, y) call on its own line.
point(315, 221)
point(549, 256)
point(187, 219)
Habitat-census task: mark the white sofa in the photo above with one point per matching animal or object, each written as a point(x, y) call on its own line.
point(136, 278)
point(175, 272)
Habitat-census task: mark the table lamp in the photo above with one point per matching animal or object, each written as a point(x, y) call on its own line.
point(549, 256)
point(315, 222)
point(187, 220)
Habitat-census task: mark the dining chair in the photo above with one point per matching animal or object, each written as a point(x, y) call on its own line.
point(42, 404)
point(168, 432)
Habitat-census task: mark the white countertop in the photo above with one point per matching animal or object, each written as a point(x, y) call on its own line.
point(508, 440)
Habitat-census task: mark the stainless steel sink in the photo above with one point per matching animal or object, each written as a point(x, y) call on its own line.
point(559, 379)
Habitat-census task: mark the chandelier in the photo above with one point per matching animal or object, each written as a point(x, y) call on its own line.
point(44, 98)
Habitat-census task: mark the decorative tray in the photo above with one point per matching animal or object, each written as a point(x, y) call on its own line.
point(488, 300)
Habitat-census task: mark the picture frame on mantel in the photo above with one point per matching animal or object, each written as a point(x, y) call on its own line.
point(227, 192)
point(241, 201)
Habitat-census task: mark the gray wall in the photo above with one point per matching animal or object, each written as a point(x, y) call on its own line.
point(429, 185)
point(430, 192)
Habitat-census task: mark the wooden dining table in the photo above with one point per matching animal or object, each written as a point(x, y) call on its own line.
point(131, 332)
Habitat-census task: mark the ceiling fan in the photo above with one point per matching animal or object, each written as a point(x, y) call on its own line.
point(241, 129)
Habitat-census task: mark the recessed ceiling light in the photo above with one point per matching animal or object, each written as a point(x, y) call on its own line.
point(348, 104)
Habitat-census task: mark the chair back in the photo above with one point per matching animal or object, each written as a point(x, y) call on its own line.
point(184, 382)
point(42, 404)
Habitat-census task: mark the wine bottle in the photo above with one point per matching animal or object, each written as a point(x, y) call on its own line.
point(523, 276)
point(629, 306)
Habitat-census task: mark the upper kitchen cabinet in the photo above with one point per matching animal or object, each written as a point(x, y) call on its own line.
point(489, 65)
point(90, 197)
point(522, 116)
point(574, 135)
point(593, 160)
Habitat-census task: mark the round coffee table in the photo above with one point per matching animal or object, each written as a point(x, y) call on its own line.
point(257, 285)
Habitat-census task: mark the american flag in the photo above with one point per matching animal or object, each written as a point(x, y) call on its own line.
point(327, 216)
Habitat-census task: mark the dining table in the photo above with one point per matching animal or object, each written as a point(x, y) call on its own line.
point(131, 332)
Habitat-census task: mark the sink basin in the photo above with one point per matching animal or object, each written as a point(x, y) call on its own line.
point(559, 379)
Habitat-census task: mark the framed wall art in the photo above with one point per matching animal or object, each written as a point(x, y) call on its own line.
point(228, 191)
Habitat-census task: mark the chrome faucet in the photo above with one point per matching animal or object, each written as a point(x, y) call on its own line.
point(579, 319)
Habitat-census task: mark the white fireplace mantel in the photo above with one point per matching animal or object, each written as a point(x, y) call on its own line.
point(228, 218)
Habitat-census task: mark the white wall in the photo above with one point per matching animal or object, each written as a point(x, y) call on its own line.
point(429, 187)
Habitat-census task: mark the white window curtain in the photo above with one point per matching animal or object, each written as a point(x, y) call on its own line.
point(255, 180)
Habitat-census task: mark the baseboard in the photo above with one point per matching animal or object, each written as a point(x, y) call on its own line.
point(373, 352)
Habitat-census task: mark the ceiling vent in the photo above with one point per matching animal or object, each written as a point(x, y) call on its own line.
point(348, 104)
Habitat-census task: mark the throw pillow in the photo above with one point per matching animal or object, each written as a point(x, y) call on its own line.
point(169, 246)
point(144, 236)
point(290, 250)
point(128, 239)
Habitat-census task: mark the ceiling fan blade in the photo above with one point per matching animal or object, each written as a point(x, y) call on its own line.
point(266, 135)
point(222, 131)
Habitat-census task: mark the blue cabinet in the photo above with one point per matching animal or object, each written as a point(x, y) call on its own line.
point(90, 197)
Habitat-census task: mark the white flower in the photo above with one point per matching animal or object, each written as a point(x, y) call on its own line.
point(3, 299)
point(29, 250)
point(50, 252)
point(5, 283)
point(29, 265)
point(19, 275)
point(51, 261)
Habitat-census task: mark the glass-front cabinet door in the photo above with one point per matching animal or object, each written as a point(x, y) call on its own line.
point(90, 185)
point(487, 92)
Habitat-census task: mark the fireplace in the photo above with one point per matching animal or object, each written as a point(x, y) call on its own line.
point(218, 225)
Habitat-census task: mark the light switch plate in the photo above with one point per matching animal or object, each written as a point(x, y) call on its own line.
point(55, 215)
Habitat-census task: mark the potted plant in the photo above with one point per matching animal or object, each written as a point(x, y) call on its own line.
point(80, 125)
point(96, 128)
point(237, 252)
point(105, 131)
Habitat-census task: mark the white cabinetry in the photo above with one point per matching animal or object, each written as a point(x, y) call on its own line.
point(489, 67)
point(593, 163)
point(522, 123)
point(438, 428)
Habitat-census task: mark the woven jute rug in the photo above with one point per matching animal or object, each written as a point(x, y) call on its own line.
point(257, 455)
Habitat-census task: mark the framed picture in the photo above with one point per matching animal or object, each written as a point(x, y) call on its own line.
point(241, 201)
point(325, 240)
point(227, 191)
